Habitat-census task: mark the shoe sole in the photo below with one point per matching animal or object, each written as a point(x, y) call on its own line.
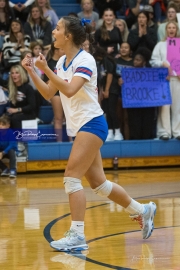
point(151, 222)
point(74, 248)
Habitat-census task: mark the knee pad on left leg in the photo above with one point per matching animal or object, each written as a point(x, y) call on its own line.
point(72, 185)
point(104, 189)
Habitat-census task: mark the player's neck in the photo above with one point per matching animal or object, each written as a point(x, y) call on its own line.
point(70, 54)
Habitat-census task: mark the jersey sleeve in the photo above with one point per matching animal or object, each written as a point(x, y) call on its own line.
point(85, 68)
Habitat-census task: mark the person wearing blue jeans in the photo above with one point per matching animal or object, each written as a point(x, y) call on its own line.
point(8, 147)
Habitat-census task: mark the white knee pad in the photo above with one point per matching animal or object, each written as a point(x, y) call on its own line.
point(104, 189)
point(72, 184)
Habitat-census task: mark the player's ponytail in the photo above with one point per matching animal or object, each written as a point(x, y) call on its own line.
point(88, 29)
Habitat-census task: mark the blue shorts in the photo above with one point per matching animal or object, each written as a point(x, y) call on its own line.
point(97, 126)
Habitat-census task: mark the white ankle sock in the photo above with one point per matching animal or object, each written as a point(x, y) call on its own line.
point(117, 131)
point(110, 132)
point(78, 226)
point(135, 208)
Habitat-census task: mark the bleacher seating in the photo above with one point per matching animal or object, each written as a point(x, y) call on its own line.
point(46, 114)
point(65, 9)
point(63, 2)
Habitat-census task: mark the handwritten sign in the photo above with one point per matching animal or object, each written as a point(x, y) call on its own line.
point(145, 87)
point(173, 55)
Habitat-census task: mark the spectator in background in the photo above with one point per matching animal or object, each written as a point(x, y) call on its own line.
point(8, 148)
point(135, 6)
point(21, 8)
point(88, 13)
point(132, 12)
point(21, 96)
point(3, 101)
point(3, 90)
point(102, 5)
point(168, 123)
point(141, 120)
point(40, 101)
point(73, 14)
point(176, 3)
point(108, 36)
point(143, 35)
point(87, 46)
point(125, 60)
point(14, 44)
point(159, 8)
point(110, 91)
point(52, 59)
point(171, 16)
point(36, 47)
point(121, 24)
point(38, 28)
point(151, 22)
point(6, 16)
point(48, 12)
point(3, 73)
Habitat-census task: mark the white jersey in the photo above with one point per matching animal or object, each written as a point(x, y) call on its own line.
point(83, 106)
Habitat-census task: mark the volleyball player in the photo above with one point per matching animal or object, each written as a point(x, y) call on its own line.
point(77, 81)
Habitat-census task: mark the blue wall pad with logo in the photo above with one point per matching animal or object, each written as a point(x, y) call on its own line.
point(121, 149)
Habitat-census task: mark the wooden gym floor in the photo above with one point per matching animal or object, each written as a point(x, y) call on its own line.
point(34, 210)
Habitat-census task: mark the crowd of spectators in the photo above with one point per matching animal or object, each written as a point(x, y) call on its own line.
point(126, 33)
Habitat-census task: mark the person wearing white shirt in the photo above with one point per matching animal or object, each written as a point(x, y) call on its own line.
point(168, 122)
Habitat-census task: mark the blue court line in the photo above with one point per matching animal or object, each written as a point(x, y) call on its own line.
point(110, 235)
point(48, 237)
point(115, 234)
point(155, 195)
point(48, 227)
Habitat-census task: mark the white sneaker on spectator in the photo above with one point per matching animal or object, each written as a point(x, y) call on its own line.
point(118, 135)
point(110, 136)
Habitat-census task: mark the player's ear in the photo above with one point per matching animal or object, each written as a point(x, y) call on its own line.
point(68, 36)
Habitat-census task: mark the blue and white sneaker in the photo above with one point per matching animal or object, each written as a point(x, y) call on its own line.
point(12, 173)
point(71, 242)
point(5, 172)
point(146, 220)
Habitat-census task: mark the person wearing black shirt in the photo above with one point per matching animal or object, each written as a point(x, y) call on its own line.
point(124, 60)
point(21, 96)
point(108, 82)
point(142, 120)
point(108, 36)
point(142, 36)
point(52, 58)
